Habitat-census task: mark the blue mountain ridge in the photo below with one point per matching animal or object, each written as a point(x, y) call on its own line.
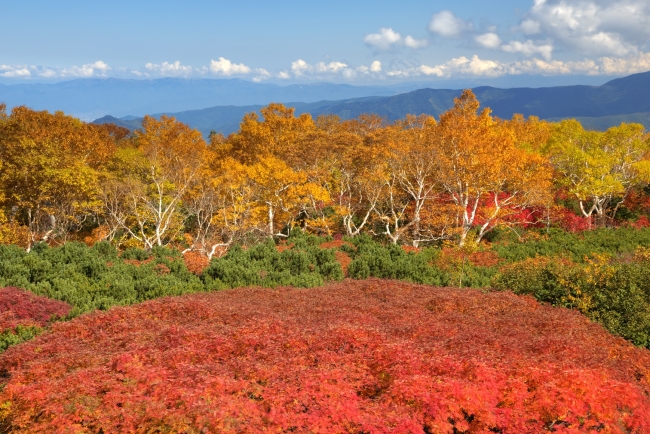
point(597, 107)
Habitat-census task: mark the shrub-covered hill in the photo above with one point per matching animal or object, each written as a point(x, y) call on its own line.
point(24, 314)
point(358, 356)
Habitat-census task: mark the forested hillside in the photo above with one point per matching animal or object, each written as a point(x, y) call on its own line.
point(547, 219)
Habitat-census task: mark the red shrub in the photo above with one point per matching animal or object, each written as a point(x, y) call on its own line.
point(18, 306)
point(196, 262)
point(571, 222)
point(364, 356)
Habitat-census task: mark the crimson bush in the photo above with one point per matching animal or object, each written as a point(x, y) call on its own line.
point(358, 356)
point(23, 315)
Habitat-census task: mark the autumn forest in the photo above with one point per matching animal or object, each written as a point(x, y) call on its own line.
point(466, 274)
point(415, 182)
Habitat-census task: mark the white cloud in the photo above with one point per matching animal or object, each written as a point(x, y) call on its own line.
point(14, 72)
point(284, 75)
point(375, 66)
point(226, 67)
point(300, 67)
point(477, 67)
point(387, 39)
point(474, 67)
point(489, 40)
point(594, 27)
point(529, 48)
point(384, 40)
point(47, 73)
point(416, 44)
point(530, 27)
point(97, 69)
point(167, 69)
point(446, 24)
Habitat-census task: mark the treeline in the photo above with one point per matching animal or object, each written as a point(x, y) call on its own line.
point(414, 181)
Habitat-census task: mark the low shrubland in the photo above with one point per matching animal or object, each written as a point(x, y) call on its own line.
point(24, 315)
point(604, 273)
point(100, 277)
point(358, 356)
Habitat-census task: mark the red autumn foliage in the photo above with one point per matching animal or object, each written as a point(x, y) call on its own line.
point(641, 222)
point(451, 257)
point(20, 307)
point(571, 222)
point(359, 356)
point(196, 262)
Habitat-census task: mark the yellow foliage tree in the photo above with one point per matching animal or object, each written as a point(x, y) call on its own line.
point(600, 168)
point(50, 171)
point(482, 168)
point(143, 195)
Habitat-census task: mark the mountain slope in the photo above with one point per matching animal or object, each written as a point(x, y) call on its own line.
point(597, 107)
point(622, 96)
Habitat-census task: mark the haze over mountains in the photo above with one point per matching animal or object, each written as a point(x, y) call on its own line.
point(89, 99)
point(597, 107)
point(126, 101)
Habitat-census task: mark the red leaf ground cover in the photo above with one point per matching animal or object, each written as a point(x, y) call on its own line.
point(20, 307)
point(358, 356)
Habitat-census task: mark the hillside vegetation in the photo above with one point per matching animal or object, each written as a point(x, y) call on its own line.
point(119, 253)
point(372, 356)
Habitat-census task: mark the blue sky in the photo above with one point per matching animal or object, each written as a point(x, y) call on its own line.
point(360, 42)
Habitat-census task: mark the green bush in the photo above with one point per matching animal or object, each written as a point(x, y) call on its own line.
point(304, 265)
point(576, 246)
point(96, 277)
point(18, 335)
point(371, 259)
point(617, 295)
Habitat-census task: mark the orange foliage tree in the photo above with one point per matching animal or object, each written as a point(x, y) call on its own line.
point(484, 170)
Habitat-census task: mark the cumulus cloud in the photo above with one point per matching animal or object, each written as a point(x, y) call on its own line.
point(387, 39)
point(448, 25)
point(488, 40)
point(300, 67)
point(529, 48)
point(530, 27)
point(333, 70)
point(384, 40)
point(97, 69)
point(167, 69)
point(593, 27)
point(416, 44)
point(477, 67)
point(14, 72)
point(226, 67)
point(464, 66)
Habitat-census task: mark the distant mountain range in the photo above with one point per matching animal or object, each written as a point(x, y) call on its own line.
point(92, 98)
point(597, 107)
point(89, 99)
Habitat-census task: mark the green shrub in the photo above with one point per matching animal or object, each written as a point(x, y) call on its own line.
point(304, 265)
point(371, 259)
point(617, 295)
point(576, 246)
point(18, 335)
point(96, 277)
